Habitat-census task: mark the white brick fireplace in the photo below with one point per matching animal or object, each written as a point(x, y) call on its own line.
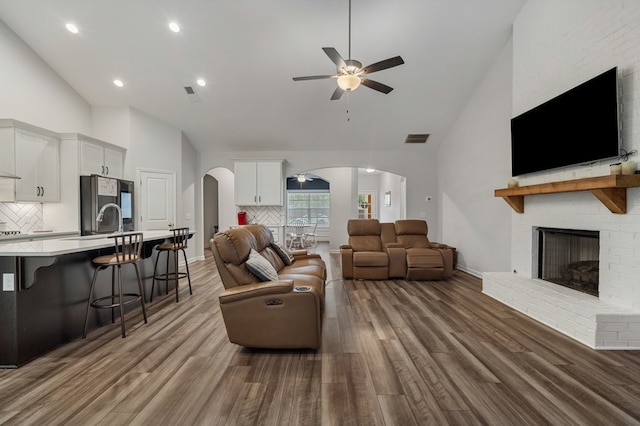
point(610, 321)
point(556, 46)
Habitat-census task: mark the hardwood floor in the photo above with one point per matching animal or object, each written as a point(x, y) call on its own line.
point(394, 353)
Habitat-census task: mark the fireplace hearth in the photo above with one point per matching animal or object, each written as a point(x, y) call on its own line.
point(568, 257)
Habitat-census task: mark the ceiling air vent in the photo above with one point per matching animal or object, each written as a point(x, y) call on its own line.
point(193, 96)
point(417, 138)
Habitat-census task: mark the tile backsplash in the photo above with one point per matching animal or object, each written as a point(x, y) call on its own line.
point(23, 217)
point(267, 215)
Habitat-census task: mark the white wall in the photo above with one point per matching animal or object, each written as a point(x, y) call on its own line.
point(577, 41)
point(32, 92)
point(389, 182)
point(416, 163)
point(153, 145)
point(475, 159)
point(189, 214)
point(112, 124)
point(343, 182)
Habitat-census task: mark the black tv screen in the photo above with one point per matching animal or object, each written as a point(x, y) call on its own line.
point(578, 126)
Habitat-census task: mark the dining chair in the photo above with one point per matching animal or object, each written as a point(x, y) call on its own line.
point(310, 235)
point(295, 234)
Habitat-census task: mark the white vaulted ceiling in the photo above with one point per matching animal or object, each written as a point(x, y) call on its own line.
point(249, 50)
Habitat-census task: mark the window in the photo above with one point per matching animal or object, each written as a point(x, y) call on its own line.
point(309, 200)
point(310, 206)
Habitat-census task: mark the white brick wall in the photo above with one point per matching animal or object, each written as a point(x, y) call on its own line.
point(558, 45)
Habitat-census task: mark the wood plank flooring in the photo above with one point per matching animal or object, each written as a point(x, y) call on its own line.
point(394, 353)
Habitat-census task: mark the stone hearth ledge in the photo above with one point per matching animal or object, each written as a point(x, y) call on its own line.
point(585, 318)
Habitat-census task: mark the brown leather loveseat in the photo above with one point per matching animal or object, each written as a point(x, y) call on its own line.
point(282, 312)
point(394, 250)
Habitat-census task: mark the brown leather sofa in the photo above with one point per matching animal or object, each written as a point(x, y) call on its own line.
point(285, 313)
point(394, 250)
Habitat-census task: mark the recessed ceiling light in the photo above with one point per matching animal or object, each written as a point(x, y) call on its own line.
point(201, 82)
point(174, 27)
point(370, 170)
point(72, 28)
point(118, 83)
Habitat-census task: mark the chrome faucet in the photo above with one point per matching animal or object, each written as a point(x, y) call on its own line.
point(117, 207)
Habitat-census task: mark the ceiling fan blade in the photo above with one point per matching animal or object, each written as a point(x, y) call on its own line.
point(383, 65)
point(313, 77)
point(375, 85)
point(336, 94)
point(335, 57)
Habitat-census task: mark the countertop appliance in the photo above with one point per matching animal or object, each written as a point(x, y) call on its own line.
point(95, 192)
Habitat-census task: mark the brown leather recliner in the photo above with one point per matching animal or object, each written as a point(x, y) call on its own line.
point(286, 313)
point(424, 260)
point(366, 257)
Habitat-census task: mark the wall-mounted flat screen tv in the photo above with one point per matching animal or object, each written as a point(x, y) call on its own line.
point(577, 127)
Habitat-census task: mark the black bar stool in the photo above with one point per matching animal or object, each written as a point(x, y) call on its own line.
point(128, 247)
point(178, 243)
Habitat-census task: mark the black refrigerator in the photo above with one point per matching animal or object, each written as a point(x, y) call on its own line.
point(95, 192)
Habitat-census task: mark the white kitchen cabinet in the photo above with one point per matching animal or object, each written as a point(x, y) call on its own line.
point(100, 158)
point(34, 155)
point(258, 183)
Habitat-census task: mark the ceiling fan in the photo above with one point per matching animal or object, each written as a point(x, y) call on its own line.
point(350, 73)
point(303, 177)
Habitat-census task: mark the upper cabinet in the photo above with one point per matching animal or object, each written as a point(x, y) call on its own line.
point(258, 183)
point(100, 158)
point(33, 154)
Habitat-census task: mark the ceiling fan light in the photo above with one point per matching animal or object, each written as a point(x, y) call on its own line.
point(348, 82)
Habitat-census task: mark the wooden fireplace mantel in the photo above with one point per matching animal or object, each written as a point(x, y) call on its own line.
point(611, 190)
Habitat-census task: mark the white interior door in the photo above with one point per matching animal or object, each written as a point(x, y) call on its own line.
point(157, 200)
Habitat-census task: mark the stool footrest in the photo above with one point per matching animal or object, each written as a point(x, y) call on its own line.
point(133, 297)
point(171, 276)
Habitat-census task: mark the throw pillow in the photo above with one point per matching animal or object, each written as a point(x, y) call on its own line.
point(260, 267)
point(283, 252)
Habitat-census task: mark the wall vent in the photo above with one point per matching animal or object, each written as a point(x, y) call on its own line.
point(191, 93)
point(417, 138)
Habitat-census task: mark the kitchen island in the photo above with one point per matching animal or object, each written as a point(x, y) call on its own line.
point(45, 289)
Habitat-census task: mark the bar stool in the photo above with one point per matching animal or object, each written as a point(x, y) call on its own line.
point(178, 243)
point(127, 251)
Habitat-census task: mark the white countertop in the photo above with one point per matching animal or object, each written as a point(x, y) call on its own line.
point(36, 235)
point(68, 244)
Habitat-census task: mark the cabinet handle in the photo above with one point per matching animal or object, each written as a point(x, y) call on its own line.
point(259, 198)
point(107, 167)
point(102, 169)
point(254, 199)
point(38, 189)
point(42, 194)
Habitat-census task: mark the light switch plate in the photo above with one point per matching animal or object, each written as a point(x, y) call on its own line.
point(8, 282)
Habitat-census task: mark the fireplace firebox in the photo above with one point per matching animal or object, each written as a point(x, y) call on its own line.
point(568, 257)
